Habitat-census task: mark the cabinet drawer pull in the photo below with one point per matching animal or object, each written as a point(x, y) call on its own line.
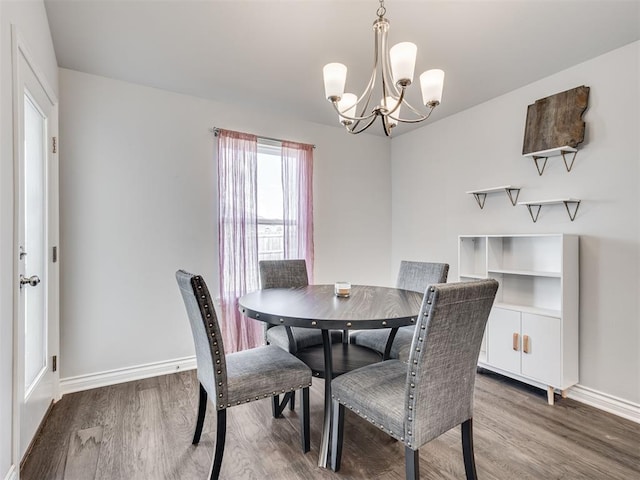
point(525, 343)
point(516, 342)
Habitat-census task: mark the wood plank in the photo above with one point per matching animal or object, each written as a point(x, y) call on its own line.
point(84, 450)
point(556, 120)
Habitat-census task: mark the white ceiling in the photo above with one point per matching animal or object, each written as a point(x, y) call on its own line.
point(270, 54)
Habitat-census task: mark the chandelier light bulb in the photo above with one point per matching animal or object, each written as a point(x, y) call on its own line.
point(347, 106)
point(335, 77)
point(431, 84)
point(403, 62)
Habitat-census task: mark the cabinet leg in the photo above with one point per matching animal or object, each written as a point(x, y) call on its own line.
point(550, 394)
point(564, 393)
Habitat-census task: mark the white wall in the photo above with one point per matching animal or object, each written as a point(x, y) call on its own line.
point(31, 19)
point(481, 147)
point(138, 201)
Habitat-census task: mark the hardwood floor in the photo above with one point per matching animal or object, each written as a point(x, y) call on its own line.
point(142, 431)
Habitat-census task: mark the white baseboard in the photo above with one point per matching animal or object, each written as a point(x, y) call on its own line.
point(608, 403)
point(12, 474)
point(589, 396)
point(121, 375)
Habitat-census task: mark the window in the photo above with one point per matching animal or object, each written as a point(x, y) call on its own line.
point(269, 193)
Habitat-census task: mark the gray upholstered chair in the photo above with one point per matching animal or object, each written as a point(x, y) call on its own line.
point(414, 276)
point(419, 401)
point(239, 377)
point(289, 274)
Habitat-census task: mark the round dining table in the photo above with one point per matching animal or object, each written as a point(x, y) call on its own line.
point(317, 306)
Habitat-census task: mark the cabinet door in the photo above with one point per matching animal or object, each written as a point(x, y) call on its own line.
point(502, 326)
point(542, 360)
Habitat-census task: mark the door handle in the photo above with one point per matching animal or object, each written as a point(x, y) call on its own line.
point(32, 280)
point(516, 342)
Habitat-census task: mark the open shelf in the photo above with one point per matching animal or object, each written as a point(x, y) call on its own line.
point(472, 258)
point(481, 195)
point(568, 204)
point(553, 152)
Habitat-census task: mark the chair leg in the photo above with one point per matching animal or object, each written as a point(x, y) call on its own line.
point(277, 406)
point(304, 420)
point(221, 434)
point(337, 435)
point(292, 401)
point(412, 464)
point(202, 410)
point(467, 450)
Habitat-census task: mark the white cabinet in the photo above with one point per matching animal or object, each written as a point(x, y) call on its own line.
point(532, 332)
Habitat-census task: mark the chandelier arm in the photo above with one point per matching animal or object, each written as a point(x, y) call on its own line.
point(387, 73)
point(353, 130)
point(368, 91)
point(416, 120)
point(414, 110)
point(353, 119)
point(398, 103)
point(385, 127)
point(384, 58)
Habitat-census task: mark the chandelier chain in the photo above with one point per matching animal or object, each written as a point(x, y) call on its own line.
point(381, 10)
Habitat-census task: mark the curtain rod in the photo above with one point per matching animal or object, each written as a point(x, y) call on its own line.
point(216, 131)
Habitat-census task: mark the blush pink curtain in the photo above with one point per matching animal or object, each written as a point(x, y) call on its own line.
point(238, 235)
point(297, 186)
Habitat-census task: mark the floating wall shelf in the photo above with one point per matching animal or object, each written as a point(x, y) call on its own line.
point(553, 152)
point(566, 201)
point(481, 195)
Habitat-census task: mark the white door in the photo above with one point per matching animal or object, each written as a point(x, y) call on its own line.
point(503, 339)
point(35, 123)
point(542, 358)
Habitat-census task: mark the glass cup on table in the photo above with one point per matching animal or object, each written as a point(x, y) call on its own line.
point(342, 289)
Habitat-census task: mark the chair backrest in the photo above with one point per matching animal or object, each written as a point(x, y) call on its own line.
point(207, 337)
point(283, 273)
point(417, 276)
point(444, 356)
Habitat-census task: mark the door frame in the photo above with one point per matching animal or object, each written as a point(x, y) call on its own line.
point(20, 49)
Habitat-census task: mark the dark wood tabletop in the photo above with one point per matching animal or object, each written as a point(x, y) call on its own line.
point(316, 306)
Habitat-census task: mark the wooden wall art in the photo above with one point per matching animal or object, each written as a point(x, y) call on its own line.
point(556, 121)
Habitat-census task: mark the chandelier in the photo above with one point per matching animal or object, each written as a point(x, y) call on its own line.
point(396, 73)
